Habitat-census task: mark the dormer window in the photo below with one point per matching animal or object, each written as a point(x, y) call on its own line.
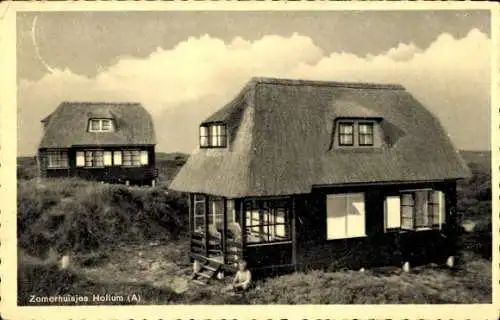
point(357, 133)
point(213, 135)
point(100, 125)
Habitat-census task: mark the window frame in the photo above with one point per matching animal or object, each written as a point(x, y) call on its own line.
point(431, 215)
point(199, 200)
point(61, 159)
point(100, 122)
point(342, 124)
point(346, 214)
point(220, 135)
point(266, 218)
point(371, 134)
point(92, 162)
point(133, 153)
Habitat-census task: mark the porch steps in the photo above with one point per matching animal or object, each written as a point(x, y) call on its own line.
point(208, 271)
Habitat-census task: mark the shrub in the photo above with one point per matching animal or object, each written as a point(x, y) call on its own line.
point(75, 215)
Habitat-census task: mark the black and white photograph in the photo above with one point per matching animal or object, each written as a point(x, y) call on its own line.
point(275, 157)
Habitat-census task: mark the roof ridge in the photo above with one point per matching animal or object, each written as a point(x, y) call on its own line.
point(344, 84)
point(114, 103)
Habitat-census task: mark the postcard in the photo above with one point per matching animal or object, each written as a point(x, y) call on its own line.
point(249, 160)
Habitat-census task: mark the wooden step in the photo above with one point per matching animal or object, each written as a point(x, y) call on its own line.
point(199, 282)
point(210, 267)
point(207, 275)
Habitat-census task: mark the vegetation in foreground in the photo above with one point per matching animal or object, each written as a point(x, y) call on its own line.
point(139, 270)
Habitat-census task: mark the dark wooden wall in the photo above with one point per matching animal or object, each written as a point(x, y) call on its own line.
point(114, 174)
point(377, 248)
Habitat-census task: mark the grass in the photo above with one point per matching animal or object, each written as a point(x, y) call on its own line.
point(160, 275)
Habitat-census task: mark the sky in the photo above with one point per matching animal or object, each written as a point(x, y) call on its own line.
point(183, 66)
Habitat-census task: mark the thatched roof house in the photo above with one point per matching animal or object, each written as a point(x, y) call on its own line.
point(67, 125)
point(280, 141)
point(294, 173)
point(109, 138)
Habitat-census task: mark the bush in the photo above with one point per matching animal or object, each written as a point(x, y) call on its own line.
point(80, 216)
point(481, 239)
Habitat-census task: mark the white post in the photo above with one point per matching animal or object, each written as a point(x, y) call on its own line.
point(196, 266)
point(127, 183)
point(65, 262)
point(450, 262)
point(406, 267)
point(153, 183)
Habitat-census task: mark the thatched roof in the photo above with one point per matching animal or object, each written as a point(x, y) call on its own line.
point(67, 125)
point(281, 142)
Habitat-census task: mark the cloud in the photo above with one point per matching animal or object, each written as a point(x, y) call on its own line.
point(185, 84)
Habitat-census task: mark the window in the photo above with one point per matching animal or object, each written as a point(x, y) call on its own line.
point(94, 158)
point(354, 132)
point(346, 134)
point(131, 158)
point(108, 158)
point(267, 220)
point(345, 216)
point(57, 159)
point(414, 210)
point(213, 135)
point(216, 212)
point(117, 158)
point(100, 125)
point(204, 136)
point(144, 157)
point(199, 212)
point(80, 159)
point(365, 136)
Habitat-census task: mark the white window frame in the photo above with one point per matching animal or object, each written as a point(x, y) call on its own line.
point(57, 159)
point(135, 158)
point(117, 158)
point(441, 214)
point(199, 201)
point(213, 135)
point(144, 157)
point(100, 126)
point(108, 158)
point(93, 156)
point(80, 159)
point(331, 221)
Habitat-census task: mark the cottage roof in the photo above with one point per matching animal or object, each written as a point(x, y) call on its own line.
point(280, 141)
point(67, 125)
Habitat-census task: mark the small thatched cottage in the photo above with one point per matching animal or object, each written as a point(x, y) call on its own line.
point(296, 173)
point(113, 142)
